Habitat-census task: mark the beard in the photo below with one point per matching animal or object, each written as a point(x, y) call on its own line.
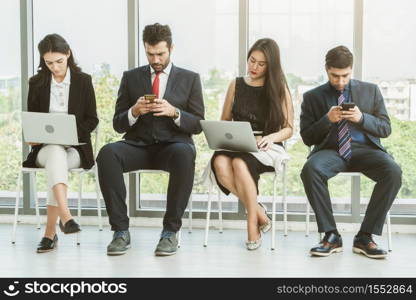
point(160, 67)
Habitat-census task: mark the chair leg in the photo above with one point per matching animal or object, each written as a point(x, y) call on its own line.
point(208, 216)
point(16, 207)
point(284, 201)
point(179, 237)
point(308, 214)
point(274, 214)
point(127, 184)
point(220, 210)
point(98, 195)
point(389, 232)
point(80, 183)
point(190, 214)
point(35, 192)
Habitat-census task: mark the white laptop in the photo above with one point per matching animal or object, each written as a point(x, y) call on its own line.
point(229, 135)
point(50, 128)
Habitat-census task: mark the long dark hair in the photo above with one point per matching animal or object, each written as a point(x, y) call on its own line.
point(52, 43)
point(275, 85)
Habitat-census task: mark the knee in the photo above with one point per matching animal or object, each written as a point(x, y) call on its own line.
point(220, 163)
point(182, 153)
point(309, 169)
point(239, 166)
point(395, 173)
point(54, 150)
point(106, 152)
point(221, 166)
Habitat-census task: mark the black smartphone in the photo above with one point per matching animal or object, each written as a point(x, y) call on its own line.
point(347, 106)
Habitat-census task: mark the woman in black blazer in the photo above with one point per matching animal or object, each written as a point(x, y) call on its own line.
point(61, 87)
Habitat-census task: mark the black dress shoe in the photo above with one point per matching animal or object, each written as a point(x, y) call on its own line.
point(46, 244)
point(70, 227)
point(364, 244)
point(331, 243)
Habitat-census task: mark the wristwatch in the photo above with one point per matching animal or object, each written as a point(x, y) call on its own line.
point(176, 114)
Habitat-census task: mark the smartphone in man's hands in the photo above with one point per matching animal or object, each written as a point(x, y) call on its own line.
point(150, 97)
point(347, 106)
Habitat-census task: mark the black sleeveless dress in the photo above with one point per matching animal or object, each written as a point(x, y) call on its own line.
point(248, 106)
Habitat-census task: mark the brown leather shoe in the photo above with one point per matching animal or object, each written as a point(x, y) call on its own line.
point(331, 243)
point(364, 244)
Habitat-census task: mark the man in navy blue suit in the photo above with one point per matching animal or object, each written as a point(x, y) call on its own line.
point(344, 120)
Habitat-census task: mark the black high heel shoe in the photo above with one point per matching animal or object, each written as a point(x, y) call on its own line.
point(70, 227)
point(46, 244)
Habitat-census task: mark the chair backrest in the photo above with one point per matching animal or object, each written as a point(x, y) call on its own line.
point(97, 139)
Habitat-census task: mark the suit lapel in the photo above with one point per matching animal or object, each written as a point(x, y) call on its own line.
point(171, 82)
point(146, 79)
point(355, 92)
point(45, 97)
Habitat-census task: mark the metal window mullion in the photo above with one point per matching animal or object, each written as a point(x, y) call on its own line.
point(358, 38)
point(132, 62)
point(358, 16)
point(26, 71)
point(243, 32)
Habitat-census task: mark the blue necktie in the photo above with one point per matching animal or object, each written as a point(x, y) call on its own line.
point(344, 136)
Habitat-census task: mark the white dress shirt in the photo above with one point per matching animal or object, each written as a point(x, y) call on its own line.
point(163, 81)
point(60, 94)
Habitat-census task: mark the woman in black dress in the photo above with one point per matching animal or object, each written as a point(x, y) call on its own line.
point(263, 99)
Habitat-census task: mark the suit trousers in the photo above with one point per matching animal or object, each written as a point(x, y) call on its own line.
point(57, 160)
point(117, 158)
point(373, 163)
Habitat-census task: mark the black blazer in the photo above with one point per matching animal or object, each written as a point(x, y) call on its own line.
point(81, 103)
point(183, 91)
point(315, 126)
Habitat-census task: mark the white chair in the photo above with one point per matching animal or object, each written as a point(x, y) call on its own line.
point(80, 171)
point(273, 212)
point(147, 171)
point(351, 174)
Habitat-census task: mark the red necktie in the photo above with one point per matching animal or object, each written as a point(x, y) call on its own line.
point(155, 86)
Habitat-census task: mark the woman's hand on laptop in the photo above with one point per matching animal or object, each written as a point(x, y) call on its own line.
point(264, 142)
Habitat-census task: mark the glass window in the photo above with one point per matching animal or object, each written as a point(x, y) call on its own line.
point(206, 43)
point(96, 30)
point(389, 61)
point(304, 30)
point(10, 100)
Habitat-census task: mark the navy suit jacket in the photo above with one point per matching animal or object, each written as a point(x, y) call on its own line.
point(315, 126)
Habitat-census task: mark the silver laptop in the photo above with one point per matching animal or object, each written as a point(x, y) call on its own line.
point(50, 128)
point(229, 135)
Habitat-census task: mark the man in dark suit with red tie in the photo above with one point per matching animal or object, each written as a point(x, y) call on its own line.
point(347, 139)
point(157, 136)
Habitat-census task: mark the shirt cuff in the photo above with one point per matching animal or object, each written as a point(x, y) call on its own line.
point(132, 119)
point(362, 119)
point(178, 120)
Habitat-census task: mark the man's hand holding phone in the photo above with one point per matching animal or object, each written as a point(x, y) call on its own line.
point(334, 114)
point(141, 107)
point(351, 112)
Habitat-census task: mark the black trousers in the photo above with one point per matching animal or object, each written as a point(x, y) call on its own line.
point(116, 158)
point(373, 163)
